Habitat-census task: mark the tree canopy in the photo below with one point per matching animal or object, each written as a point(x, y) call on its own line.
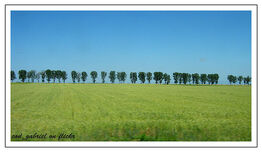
point(142, 77)
point(180, 78)
point(149, 76)
point(112, 76)
point(84, 76)
point(93, 76)
point(13, 76)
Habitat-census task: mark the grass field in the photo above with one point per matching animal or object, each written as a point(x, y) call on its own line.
point(131, 112)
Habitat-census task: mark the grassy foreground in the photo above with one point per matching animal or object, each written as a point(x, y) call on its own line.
point(131, 112)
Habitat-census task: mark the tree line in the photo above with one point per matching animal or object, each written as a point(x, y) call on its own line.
point(159, 77)
point(240, 79)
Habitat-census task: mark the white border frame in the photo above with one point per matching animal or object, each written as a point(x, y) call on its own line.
point(91, 7)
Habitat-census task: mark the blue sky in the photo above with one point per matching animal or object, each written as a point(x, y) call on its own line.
point(132, 41)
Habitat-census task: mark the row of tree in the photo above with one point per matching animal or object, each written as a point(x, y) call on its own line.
point(240, 79)
point(48, 75)
point(159, 77)
point(195, 78)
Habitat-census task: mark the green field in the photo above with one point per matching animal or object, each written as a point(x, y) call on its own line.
point(131, 112)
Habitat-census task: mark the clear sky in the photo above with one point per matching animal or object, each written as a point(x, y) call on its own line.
point(132, 41)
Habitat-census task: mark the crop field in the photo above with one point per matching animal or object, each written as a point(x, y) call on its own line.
point(131, 112)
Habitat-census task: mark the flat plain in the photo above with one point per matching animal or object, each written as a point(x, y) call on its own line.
point(132, 112)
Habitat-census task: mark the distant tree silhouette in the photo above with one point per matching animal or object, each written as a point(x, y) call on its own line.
point(149, 76)
point(180, 78)
point(73, 75)
point(166, 78)
point(240, 79)
point(195, 78)
point(38, 74)
point(53, 75)
point(13, 76)
point(142, 77)
point(112, 76)
point(64, 76)
point(133, 77)
point(84, 76)
point(93, 76)
point(58, 74)
point(103, 76)
point(230, 78)
point(123, 77)
point(43, 75)
point(234, 80)
point(48, 73)
point(161, 78)
point(185, 77)
point(203, 78)
point(158, 77)
point(247, 80)
point(31, 75)
point(189, 78)
point(216, 77)
point(22, 75)
point(118, 76)
point(176, 77)
point(78, 77)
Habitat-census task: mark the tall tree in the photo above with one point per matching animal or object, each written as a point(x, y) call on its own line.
point(180, 78)
point(78, 77)
point(209, 78)
point(64, 76)
point(240, 79)
point(216, 77)
point(247, 80)
point(94, 76)
point(118, 75)
point(38, 74)
point(195, 78)
point(123, 76)
point(176, 77)
point(230, 78)
point(142, 76)
point(133, 77)
point(13, 75)
point(53, 75)
point(212, 78)
point(22, 75)
point(43, 75)
point(48, 73)
point(149, 76)
point(58, 74)
point(166, 78)
point(189, 78)
point(28, 76)
point(112, 76)
point(31, 75)
point(234, 80)
point(103, 76)
point(203, 78)
point(185, 77)
point(74, 75)
point(161, 78)
point(84, 76)
point(156, 77)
